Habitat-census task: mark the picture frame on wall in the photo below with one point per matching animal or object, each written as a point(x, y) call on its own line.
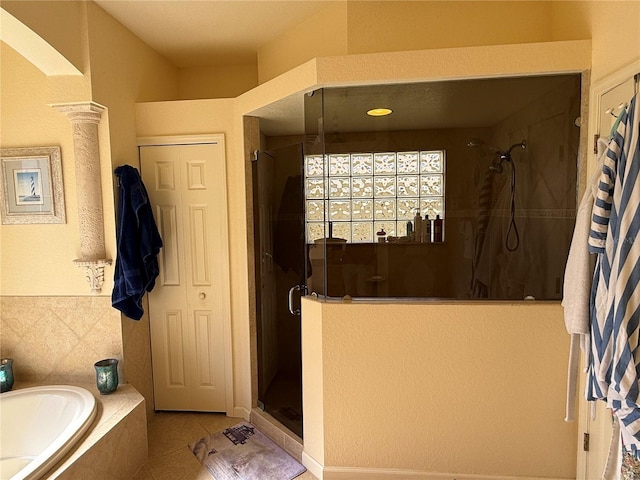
point(31, 187)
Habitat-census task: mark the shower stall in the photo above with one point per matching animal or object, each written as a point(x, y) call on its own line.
point(464, 190)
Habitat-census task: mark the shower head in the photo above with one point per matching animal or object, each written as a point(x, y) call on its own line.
point(522, 145)
point(496, 166)
point(501, 155)
point(478, 142)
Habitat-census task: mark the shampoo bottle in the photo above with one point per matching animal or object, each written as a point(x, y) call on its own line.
point(417, 227)
point(437, 229)
point(426, 229)
point(410, 230)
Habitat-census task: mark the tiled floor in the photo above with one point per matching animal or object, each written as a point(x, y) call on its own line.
point(169, 434)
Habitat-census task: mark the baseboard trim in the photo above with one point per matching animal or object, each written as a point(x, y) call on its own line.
point(313, 466)
point(241, 412)
point(355, 473)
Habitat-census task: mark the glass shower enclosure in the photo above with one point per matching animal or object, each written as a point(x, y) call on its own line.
point(466, 190)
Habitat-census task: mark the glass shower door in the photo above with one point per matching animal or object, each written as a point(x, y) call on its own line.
point(280, 272)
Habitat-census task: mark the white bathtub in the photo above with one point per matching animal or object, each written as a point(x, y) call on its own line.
point(38, 425)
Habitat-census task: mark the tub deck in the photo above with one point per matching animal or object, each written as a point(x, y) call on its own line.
point(115, 446)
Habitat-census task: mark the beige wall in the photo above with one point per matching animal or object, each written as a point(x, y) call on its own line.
point(463, 388)
point(124, 71)
point(323, 34)
point(379, 26)
point(611, 25)
point(313, 380)
point(356, 27)
point(227, 81)
point(67, 34)
point(36, 260)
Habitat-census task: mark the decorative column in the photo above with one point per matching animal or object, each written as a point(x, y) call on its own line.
point(85, 118)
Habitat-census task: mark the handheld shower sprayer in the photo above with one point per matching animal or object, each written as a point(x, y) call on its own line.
point(496, 166)
point(512, 239)
point(502, 155)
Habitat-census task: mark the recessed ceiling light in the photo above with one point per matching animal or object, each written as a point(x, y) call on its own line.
point(379, 112)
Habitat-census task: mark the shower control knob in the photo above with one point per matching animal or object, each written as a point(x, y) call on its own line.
point(202, 295)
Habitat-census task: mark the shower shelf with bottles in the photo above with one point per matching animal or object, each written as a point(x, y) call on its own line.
point(380, 269)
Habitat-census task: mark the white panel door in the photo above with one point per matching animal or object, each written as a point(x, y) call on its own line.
point(189, 307)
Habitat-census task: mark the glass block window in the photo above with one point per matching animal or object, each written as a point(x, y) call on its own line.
point(360, 193)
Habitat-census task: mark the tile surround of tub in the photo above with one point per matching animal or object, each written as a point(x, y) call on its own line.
point(115, 448)
point(58, 339)
point(136, 339)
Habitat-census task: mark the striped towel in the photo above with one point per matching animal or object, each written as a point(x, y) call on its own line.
point(615, 316)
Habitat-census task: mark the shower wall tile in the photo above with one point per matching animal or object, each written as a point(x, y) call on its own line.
point(58, 339)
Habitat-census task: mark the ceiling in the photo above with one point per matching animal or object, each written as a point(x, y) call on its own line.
point(432, 105)
point(199, 33)
point(196, 33)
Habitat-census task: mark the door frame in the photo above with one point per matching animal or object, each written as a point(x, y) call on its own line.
point(277, 155)
point(598, 427)
point(218, 139)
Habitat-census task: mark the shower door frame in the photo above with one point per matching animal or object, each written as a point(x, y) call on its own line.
point(268, 260)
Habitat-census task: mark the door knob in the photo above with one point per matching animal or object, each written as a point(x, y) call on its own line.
point(202, 295)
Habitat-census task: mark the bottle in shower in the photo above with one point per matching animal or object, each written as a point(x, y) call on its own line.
point(410, 230)
point(426, 230)
point(417, 227)
point(437, 229)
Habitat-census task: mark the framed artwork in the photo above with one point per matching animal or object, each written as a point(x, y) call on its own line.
point(31, 188)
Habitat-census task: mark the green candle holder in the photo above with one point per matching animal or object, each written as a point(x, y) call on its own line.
point(6, 374)
point(107, 375)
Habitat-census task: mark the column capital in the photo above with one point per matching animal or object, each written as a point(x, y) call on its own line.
point(81, 112)
point(94, 271)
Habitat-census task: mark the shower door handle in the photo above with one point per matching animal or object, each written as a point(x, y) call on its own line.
point(296, 288)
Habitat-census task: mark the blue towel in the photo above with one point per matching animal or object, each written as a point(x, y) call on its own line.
point(139, 243)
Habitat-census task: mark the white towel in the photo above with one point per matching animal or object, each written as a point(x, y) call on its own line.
point(578, 277)
point(572, 378)
point(578, 274)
